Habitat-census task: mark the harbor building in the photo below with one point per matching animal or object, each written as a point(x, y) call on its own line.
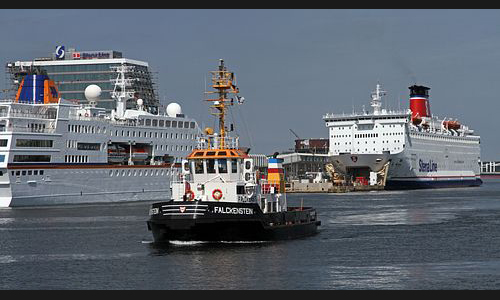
point(73, 71)
point(309, 158)
point(490, 168)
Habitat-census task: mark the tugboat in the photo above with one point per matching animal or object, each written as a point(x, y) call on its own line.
point(221, 196)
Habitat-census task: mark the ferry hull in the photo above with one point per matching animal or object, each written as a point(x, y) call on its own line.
point(215, 222)
point(346, 161)
point(431, 183)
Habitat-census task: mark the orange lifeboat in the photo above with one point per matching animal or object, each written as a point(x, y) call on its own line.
point(116, 154)
point(139, 153)
point(455, 125)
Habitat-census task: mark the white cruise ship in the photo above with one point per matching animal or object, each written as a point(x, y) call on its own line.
point(403, 149)
point(54, 151)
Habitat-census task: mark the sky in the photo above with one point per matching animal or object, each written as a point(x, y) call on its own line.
point(292, 65)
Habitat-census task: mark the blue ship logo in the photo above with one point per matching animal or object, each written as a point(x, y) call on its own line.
point(427, 167)
point(60, 52)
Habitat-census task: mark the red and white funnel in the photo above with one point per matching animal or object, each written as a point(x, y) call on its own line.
point(419, 103)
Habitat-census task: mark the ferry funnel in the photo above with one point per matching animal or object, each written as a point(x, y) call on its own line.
point(419, 102)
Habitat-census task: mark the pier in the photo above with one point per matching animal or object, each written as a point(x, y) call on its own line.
point(328, 187)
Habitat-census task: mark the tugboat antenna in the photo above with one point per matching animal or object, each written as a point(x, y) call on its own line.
point(223, 83)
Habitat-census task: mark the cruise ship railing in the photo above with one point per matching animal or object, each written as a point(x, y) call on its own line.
point(367, 114)
point(28, 129)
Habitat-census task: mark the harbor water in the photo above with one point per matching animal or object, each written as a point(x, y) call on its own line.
point(416, 239)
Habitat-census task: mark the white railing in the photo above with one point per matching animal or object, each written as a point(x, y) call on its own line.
point(28, 129)
point(367, 114)
point(272, 187)
point(27, 115)
point(215, 142)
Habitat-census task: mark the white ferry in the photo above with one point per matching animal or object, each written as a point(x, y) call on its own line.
point(403, 149)
point(54, 151)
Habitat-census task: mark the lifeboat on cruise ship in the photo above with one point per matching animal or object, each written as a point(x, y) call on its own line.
point(455, 125)
point(139, 153)
point(116, 154)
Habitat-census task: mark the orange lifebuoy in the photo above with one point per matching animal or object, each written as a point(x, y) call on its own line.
point(217, 194)
point(189, 195)
point(86, 114)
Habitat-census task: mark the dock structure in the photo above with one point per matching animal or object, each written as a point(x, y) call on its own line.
point(327, 187)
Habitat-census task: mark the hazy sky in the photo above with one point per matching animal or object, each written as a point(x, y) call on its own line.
point(292, 66)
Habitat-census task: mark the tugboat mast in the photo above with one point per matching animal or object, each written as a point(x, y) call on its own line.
point(222, 82)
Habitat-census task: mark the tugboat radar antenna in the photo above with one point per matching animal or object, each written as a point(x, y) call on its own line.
point(223, 84)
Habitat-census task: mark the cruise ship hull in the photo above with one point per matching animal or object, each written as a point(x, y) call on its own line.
point(98, 184)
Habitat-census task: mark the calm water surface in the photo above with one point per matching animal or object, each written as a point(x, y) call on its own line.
point(426, 239)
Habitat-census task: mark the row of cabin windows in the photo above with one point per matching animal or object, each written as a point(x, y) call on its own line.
point(35, 127)
point(166, 123)
point(367, 118)
point(370, 126)
point(111, 173)
point(139, 172)
point(129, 133)
point(366, 135)
point(147, 122)
point(31, 158)
point(97, 147)
point(27, 172)
point(387, 142)
point(212, 166)
point(151, 134)
point(86, 129)
point(29, 143)
point(175, 148)
point(34, 143)
point(76, 159)
point(374, 149)
point(85, 146)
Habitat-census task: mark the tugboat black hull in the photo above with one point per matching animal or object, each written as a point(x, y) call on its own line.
point(213, 221)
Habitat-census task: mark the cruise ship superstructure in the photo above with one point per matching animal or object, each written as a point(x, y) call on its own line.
point(54, 151)
point(403, 149)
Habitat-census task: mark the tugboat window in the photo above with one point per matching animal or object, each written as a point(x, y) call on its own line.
point(222, 165)
point(198, 166)
point(240, 189)
point(210, 166)
point(234, 166)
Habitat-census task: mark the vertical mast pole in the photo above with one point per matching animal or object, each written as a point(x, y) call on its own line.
point(222, 81)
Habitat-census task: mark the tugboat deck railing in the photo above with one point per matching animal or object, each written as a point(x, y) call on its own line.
point(216, 142)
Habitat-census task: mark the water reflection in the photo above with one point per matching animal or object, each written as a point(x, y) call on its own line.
point(234, 265)
point(409, 216)
point(435, 239)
